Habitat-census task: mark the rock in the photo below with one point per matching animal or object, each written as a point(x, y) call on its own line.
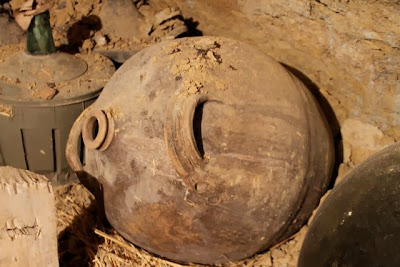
point(346, 151)
point(164, 15)
point(5, 6)
point(286, 253)
point(16, 3)
point(10, 32)
point(360, 140)
point(100, 39)
point(280, 257)
point(87, 46)
point(265, 260)
point(45, 92)
point(6, 110)
point(120, 18)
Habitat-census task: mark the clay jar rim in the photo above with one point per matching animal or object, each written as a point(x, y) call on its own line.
point(179, 137)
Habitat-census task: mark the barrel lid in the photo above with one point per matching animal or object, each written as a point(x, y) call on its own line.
point(50, 79)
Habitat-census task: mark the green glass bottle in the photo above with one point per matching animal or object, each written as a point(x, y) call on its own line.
point(39, 36)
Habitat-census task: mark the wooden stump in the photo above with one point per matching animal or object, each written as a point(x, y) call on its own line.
point(28, 222)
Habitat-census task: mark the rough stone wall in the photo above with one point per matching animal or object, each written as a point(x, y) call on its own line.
point(348, 51)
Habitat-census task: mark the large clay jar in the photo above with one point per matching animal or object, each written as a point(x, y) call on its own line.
point(207, 149)
point(358, 223)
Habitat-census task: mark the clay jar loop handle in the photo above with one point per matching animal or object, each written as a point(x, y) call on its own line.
point(179, 136)
point(86, 125)
point(71, 150)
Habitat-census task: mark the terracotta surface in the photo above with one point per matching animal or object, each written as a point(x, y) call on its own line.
point(215, 155)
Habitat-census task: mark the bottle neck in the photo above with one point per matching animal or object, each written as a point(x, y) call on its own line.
point(39, 36)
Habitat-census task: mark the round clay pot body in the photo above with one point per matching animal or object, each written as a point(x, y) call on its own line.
point(208, 150)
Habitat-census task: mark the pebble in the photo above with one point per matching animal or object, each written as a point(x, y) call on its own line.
point(100, 39)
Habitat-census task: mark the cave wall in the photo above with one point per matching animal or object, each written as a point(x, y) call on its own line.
point(347, 50)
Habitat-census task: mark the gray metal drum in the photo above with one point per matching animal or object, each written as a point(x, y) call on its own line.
point(34, 124)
